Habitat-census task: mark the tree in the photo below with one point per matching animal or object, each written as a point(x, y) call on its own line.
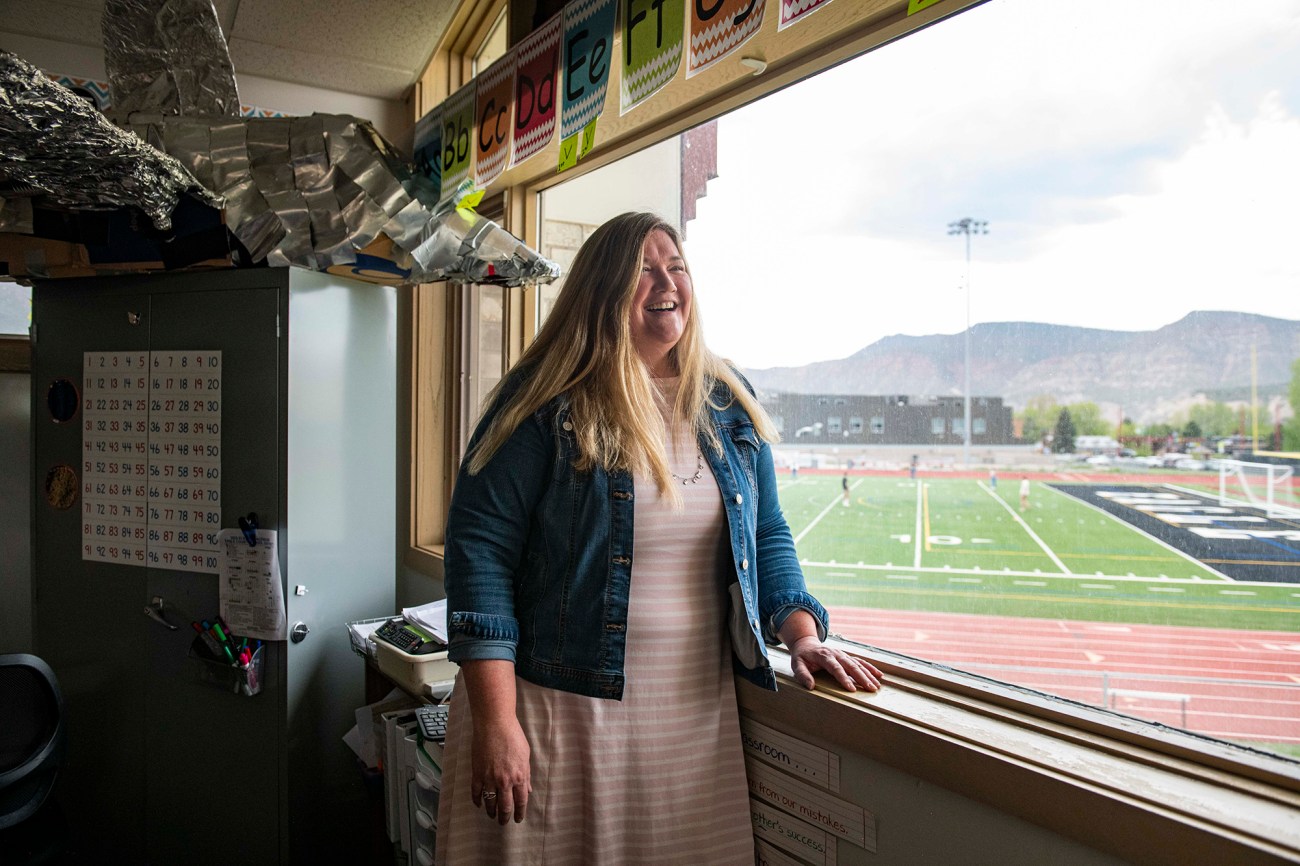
point(1213, 419)
point(1088, 421)
point(1063, 438)
point(1037, 418)
point(1291, 431)
point(1192, 430)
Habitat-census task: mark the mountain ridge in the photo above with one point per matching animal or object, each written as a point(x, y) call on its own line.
point(1149, 374)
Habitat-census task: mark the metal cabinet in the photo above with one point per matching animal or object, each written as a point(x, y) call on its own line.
point(163, 767)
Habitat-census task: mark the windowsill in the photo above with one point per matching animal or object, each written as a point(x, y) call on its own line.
point(1138, 791)
point(426, 559)
point(15, 354)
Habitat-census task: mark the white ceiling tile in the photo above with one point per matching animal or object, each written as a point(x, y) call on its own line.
point(348, 75)
point(57, 20)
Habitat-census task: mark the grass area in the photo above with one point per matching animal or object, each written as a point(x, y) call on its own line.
point(955, 544)
point(1289, 750)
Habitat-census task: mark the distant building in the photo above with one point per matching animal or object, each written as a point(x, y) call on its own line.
point(858, 419)
point(1107, 445)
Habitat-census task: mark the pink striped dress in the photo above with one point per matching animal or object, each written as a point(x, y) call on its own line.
point(657, 778)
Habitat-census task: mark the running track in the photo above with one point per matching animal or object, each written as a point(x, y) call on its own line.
point(1234, 685)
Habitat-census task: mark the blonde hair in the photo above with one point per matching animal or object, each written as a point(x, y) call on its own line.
point(585, 351)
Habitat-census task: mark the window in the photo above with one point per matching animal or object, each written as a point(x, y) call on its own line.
point(15, 309)
point(494, 45)
point(1115, 199)
point(779, 423)
point(15, 319)
point(483, 359)
point(833, 424)
point(1163, 138)
point(855, 425)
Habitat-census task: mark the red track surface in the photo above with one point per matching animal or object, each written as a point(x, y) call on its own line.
point(1235, 685)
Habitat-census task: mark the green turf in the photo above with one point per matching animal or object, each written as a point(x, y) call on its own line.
point(979, 553)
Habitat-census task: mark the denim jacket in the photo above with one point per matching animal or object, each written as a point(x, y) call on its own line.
point(539, 555)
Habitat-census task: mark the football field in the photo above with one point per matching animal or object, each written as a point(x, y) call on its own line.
point(960, 545)
point(1120, 594)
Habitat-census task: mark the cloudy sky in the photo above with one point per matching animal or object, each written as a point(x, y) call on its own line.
point(1134, 161)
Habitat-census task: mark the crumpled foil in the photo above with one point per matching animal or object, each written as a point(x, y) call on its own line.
point(312, 191)
point(57, 142)
point(168, 57)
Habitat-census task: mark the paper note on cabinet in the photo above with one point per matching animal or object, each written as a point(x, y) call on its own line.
point(252, 597)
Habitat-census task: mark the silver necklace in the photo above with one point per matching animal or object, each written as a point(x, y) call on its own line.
point(699, 469)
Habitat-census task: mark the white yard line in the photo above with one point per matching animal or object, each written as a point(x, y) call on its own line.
point(916, 560)
point(1034, 535)
point(1041, 575)
point(1167, 546)
point(818, 519)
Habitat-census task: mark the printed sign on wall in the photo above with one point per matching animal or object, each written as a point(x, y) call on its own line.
point(588, 55)
point(652, 48)
point(721, 28)
point(457, 135)
point(802, 759)
point(151, 455)
point(792, 835)
point(812, 804)
point(495, 105)
point(535, 89)
point(797, 10)
point(428, 146)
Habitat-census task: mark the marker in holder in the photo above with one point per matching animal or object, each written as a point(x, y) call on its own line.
point(242, 678)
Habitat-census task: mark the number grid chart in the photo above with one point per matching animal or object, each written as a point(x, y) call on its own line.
point(151, 458)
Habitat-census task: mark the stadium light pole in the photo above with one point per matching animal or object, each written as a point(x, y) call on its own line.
point(967, 227)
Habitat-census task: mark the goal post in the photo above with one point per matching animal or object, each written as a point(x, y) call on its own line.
point(1266, 486)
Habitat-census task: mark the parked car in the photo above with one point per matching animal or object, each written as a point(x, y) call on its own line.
point(1189, 463)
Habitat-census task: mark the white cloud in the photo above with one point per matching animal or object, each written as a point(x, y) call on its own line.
point(1136, 161)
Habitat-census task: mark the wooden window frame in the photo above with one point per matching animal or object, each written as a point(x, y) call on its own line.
point(963, 732)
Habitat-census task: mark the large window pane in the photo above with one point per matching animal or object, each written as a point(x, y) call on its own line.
point(15, 309)
point(1091, 260)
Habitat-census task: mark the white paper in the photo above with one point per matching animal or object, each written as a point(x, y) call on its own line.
point(431, 616)
point(364, 632)
point(252, 598)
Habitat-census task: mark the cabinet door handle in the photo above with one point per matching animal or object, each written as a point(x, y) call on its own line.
point(154, 610)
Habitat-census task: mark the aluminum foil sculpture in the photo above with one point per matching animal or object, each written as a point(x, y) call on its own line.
point(304, 191)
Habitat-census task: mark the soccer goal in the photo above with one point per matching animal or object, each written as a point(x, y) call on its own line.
point(1266, 486)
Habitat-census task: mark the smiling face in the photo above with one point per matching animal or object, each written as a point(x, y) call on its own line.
point(662, 303)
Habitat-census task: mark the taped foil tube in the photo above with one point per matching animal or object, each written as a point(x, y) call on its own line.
point(59, 143)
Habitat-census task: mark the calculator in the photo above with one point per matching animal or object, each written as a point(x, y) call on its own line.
point(408, 638)
point(433, 721)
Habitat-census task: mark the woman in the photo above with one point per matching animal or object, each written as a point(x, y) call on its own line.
point(614, 547)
